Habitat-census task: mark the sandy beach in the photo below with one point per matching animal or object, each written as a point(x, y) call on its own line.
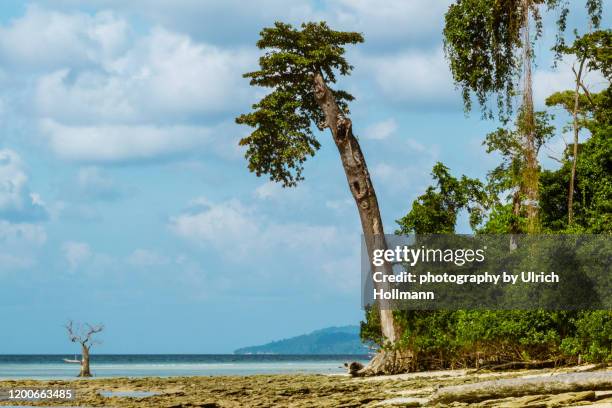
point(405, 390)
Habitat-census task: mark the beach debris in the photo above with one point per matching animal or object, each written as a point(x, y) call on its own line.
point(519, 387)
point(353, 367)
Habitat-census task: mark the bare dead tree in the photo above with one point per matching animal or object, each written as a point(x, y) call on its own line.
point(576, 128)
point(83, 334)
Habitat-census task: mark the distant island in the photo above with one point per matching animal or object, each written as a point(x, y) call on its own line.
point(331, 340)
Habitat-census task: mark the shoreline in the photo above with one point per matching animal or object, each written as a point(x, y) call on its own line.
point(294, 390)
point(51, 367)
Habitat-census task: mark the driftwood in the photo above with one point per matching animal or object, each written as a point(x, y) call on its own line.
point(518, 387)
point(518, 364)
point(353, 367)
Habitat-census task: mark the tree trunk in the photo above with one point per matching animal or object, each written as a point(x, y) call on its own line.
point(85, 372)
point(530, 174)
point(363, 192)
point(514, 225)
point(570, 196)
point(518, 387)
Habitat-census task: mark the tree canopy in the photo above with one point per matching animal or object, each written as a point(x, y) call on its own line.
point(436, 211)
point(481, 38)
point(283, 139)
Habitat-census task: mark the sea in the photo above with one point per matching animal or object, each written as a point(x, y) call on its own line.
point(52, 366)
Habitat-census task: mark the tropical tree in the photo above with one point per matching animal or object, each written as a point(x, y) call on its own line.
point(592, 52)
point(489, 47)
point(507, 177)
point(301, 66)
point(436, 211)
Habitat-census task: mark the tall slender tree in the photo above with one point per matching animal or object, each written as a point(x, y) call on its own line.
point(489, 46)
point(301, 65)
point(530, 173)
point(592, 53)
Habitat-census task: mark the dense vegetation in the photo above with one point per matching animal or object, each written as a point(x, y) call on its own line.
point(489, 47)
point(464, 338)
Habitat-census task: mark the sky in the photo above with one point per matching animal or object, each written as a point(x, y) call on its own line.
point(126, 200)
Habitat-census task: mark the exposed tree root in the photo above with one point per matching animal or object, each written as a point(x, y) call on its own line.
point(385, 362)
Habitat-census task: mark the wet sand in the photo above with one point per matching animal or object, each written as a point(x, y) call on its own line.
point(291, 391)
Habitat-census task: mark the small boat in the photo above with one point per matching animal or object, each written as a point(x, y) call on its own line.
point(72, 361)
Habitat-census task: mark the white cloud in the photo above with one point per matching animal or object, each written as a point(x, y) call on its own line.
point(143, 103)
point(12, 180)
point(267, 190)
point(226, 227)
point(381, 130)
point(274, 252)
point(210, 19)
point(43, 38)
point(163, 75)
point(548, 81)
point(76, 253)
point(237, 230)
point(17, 203)
point(419, 79)
point(121, 142)
point(381, 21)
point(19, 208)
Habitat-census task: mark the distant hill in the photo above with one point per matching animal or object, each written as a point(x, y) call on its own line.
point(331, 340)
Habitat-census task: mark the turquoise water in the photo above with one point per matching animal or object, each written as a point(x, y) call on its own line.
point(165, 365)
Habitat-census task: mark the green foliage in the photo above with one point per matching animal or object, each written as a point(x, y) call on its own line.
point(565, 100)
point(436, 211)
point(594, 10)
point(593, 338)
point(507, 142)
point(595, 48)
point(370, 330)
point(467, 338)
point(499, 220)
point(481, 40)
point(593, 186)
point(283, 140)
point(553, 201)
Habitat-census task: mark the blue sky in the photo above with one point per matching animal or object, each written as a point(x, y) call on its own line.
point(124, 198)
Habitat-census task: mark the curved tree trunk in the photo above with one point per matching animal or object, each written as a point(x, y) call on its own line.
point(358, 177)
point(85, 372)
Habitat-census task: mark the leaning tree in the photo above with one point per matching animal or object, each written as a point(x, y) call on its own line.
point(300, 66)
point(83, 334)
